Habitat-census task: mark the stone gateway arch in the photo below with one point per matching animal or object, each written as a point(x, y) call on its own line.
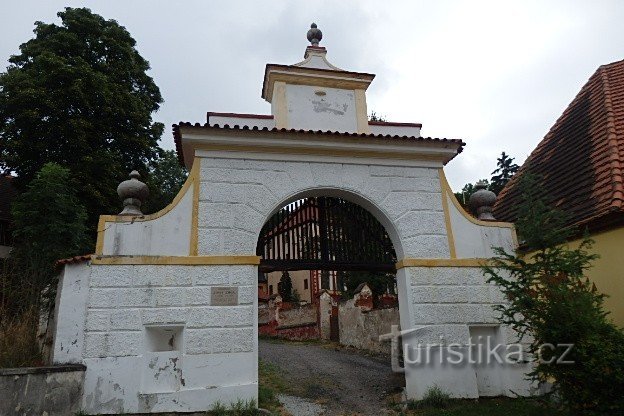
point(164, 314)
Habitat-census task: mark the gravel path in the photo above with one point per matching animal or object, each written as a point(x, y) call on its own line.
point(343, 382)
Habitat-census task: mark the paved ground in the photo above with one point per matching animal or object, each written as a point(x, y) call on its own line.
point(343, 382)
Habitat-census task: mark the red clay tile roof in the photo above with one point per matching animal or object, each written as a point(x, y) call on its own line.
point(581, 159)
point(178, 137)
point(238, 115)
point(75, 259)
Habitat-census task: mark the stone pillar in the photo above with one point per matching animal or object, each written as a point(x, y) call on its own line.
point(324, 310)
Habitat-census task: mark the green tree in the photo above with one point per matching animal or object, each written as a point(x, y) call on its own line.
point(285, 287)
point(376, 117)
point(49, 224)
point(505, 169)
point(379, 282)
point(78, 95)
point(165, 178)
point(550, 298)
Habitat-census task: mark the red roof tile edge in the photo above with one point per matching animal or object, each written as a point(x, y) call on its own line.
point(238, 115)
point(393, 123)
point(178, 137)
point(75, 259)
point(616, 168)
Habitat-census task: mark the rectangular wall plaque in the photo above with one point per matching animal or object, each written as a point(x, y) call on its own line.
point(224, 296)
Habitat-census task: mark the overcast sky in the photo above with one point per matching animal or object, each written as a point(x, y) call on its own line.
point(496, 74)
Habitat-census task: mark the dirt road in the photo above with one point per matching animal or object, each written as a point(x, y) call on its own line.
point(344, 382)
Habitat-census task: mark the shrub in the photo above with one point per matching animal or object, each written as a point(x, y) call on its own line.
point(551, 299)
point(434, 398)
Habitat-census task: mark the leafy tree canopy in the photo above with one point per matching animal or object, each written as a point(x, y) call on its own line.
point(78, 95)
point(165, 178)
point(49, 224)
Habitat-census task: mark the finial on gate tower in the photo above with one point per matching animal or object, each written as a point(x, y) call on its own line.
point(133, 193)
point(482, 201)
point(314, 35)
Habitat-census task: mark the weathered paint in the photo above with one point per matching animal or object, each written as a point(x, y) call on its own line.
point(335, 109)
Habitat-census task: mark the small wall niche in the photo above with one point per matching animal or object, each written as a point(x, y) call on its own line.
point(159, 338)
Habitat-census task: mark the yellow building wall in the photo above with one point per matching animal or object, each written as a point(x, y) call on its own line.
point(297, 277)
point(608, 271)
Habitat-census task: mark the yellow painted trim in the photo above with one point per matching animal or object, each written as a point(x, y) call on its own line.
point(441, 263)
point(322, 152)
point(447, 220)
point(446, 187)
point(281, 105)
point(177, 260)
point(195, 212)
point(190, 180)
point(361, 111)
point(99, 242)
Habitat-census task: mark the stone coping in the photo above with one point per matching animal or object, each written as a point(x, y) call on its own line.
point(42, 370)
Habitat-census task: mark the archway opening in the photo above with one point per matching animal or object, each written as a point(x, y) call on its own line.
point(327, 273)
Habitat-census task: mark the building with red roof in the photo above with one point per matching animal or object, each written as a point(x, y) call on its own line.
point(580, 162)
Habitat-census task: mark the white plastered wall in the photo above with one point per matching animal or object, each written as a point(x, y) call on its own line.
point(335, 109)
point(154, 235)
point(475, 239)
point(106, 312)
point(238, 194)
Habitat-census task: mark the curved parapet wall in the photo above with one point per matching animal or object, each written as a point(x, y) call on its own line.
point(169, 232)
point(470, 238)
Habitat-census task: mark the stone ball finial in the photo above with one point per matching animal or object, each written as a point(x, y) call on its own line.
point(314, 35)
point(482, 201)
point(133, 193)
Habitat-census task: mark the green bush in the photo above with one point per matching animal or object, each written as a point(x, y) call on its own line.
point(551, 299)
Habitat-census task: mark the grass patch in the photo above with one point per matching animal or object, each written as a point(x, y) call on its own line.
point(271, 383)
point(239, 408)
point(18, 340)
point(499, 406)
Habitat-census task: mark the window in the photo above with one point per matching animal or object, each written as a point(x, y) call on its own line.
point(305, 284)
point(270, 289)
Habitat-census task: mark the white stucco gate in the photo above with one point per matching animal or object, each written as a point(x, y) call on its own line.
point(164, 315)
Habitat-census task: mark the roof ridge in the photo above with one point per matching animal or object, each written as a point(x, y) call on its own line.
point(617, 197)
